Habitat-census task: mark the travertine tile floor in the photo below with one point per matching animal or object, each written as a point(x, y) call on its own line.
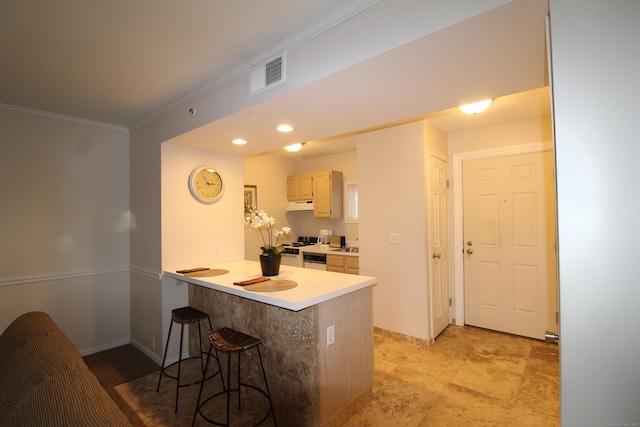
point(469, 377)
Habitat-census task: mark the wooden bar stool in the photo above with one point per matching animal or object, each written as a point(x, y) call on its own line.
point(183, 316)
point(231, 341)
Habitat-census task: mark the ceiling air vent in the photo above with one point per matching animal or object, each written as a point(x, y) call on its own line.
point(267, 75)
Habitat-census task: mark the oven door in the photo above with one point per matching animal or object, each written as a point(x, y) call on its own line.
point(293, 260)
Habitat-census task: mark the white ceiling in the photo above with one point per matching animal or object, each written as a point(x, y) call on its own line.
point(122, 61)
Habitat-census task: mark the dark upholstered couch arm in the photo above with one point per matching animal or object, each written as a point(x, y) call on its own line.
point(45, 382)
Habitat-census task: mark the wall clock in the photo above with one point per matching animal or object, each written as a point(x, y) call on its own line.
point(206, 184)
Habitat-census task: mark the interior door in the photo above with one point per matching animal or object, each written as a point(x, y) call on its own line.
point(509, 240)
point(439, 236)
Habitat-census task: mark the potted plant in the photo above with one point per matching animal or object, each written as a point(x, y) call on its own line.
point(271, 250)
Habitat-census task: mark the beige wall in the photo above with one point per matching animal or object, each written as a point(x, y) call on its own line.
point(513, 133)
point(391, 168)
point(595, 78)
point(65, 225)
point(269, 173)
point(192, 230)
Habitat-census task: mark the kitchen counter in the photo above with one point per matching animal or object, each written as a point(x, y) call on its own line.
point(325, 249)
point(313, 381)
point(314, 286)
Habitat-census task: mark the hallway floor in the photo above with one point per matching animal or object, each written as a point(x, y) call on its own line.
point(470, 376)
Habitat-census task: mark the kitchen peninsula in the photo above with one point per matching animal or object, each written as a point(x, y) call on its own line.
point(312, 383)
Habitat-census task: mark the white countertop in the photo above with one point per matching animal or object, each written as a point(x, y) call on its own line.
point(325, 249)
point(314, 286)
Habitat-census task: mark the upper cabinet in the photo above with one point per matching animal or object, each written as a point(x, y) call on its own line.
point(327, 194)
point(300, 187)
point(324, 188)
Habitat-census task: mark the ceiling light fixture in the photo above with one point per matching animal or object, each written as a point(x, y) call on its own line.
point(285, 128)
point(239, 141)
point(475, 107)
point(293, 147)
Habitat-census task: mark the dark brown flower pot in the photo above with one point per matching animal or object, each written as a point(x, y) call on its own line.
point(270, 264)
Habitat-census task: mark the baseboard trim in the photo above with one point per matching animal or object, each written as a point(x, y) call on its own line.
point(150, 354)
point(103, 347)
point(402, 337)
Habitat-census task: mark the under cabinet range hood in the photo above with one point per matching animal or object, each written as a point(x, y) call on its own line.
point(300, 205)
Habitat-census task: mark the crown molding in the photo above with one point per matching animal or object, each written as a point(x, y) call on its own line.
point(49, 115)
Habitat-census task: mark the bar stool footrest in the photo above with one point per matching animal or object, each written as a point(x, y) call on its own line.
point(174, 377)
point(235, 390)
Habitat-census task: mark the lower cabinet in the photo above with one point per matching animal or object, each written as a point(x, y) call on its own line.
point(343, 264)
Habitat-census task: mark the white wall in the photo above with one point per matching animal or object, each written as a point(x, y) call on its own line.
point(595, 75)
point(195, 233)
point(504, 135)
point(146, 240)
point(391, 167)
point(192, 230)
point(65, 225)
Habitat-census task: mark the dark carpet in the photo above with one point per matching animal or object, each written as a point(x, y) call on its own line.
point(117, 366)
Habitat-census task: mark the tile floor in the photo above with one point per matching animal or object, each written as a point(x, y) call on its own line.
point(469, 377)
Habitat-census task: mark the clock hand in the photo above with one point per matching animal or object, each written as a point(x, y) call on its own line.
point(205, 178)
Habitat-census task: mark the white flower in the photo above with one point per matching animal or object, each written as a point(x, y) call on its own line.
point(259, 220)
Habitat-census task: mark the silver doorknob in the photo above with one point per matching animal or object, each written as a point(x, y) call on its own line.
point(435, 255)
point(469, 251)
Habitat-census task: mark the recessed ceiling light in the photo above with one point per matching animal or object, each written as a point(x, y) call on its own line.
point(285, 128)
point(293, 147)
point(239, 141)
point(475, 107)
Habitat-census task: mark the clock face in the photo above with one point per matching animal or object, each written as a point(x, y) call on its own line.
point(206, 184)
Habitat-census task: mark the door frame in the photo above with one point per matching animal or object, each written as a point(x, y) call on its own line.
point(458, 228)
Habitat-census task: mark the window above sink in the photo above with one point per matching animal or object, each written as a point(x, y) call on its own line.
point(350, 202)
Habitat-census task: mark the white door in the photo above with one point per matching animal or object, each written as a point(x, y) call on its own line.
point(509, 244)
point(439, 237)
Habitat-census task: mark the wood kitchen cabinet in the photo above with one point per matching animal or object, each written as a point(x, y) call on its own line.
point(300, 187)
point(343, 264)
point(327, 194)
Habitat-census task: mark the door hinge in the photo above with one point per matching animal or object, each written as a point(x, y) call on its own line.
point(447, 183)
point(450, 303)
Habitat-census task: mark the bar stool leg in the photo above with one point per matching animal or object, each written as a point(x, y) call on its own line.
point(266, 386)
point(204, 374)
point(239, 367)
point(200, 338)
point(164, 358)
point(179, 363)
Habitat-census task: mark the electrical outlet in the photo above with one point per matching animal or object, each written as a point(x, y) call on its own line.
point(216, 251)
point(331, 335)
point(153, 343)
point(394, 238)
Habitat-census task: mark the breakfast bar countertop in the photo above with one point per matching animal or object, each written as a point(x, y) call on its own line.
point(313, 286)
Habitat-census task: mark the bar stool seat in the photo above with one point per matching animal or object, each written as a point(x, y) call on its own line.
point(184, 316)
point(229, 341)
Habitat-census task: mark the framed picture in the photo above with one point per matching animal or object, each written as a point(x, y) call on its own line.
point(250, 197)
